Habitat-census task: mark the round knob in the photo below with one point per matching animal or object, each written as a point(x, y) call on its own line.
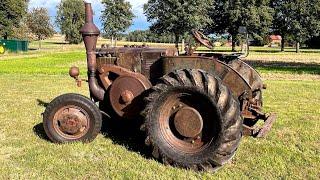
point(127, 96)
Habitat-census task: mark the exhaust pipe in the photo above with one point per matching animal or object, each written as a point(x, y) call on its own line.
point(90, 34)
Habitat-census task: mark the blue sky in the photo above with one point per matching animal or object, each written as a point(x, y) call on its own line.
point(139, 23)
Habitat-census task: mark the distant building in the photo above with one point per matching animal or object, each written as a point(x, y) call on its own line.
point(275, 40)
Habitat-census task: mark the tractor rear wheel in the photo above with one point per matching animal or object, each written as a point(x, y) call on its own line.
point(192, 121)
point(70, 118)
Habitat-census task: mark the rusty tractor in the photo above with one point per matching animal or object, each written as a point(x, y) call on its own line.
point(195, 107)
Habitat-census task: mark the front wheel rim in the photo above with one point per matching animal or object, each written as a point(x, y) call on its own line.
point(71, 122)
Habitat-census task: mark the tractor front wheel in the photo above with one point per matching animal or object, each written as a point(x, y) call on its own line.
point(70, 118)
point(192, 121)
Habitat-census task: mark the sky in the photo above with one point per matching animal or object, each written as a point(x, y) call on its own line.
point(139, 22)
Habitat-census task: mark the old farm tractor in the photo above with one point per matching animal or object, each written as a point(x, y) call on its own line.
point(195, 107)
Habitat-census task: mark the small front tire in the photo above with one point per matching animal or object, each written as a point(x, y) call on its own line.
point(72, 118)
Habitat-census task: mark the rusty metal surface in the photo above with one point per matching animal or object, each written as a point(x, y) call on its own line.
point(202, 39)
point(182, 133)
point(71, 122)
point(89, 27)
point(90, 35)
point(260, 132)
point(109, 73)
point(123, 91)
point(188, 122)
point(74, 72)
point(248, 73)
point(267, 126)
point(228, 75)
point(138, 60)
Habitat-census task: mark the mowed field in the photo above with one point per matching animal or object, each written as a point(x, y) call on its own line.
point(28, 81)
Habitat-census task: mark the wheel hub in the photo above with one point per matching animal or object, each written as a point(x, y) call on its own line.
point(127, 97)
point(188, 122)
point(71, 124)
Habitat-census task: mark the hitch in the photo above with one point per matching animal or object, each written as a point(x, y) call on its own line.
point(260, 132)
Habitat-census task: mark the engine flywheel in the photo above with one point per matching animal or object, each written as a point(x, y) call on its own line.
point(123, 93)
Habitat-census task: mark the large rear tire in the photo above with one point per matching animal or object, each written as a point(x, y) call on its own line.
point(192, 121)
point(71, 118)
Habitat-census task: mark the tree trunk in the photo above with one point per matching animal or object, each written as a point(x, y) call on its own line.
point(282, 44)
point(298, 47)
point(5, 36)
point(115, 41)
point(234, 41)
point(39, 43)
point(112, 41)
point(177, 41)
point(183, 46)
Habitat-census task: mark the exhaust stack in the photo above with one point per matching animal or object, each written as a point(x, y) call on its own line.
point(90, 34)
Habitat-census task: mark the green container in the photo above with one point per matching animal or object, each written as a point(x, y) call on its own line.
point(14, 45)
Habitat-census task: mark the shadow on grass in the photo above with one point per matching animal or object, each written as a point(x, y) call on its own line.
point(58, 43)
point(39, 131)
point(123, 132)
point(126, 133)
point(263, 51)
point(290, 67)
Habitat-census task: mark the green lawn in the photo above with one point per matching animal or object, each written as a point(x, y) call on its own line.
point(30, 80)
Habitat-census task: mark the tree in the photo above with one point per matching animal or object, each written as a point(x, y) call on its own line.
point(298, 19)
point(176, 16)
point(39, 23)
point(23, 31)
point(228, 16)
point(70, 18)
point(11, 13)
point(116, 17)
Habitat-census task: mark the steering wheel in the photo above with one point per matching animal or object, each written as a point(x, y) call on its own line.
point(202, 39)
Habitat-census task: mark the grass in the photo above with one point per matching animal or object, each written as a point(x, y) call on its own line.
point(28, 81)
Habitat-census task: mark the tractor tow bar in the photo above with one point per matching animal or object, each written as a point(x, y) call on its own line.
point(260, 132)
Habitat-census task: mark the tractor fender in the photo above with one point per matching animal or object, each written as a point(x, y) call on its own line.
point(229, 76)
point(252, 76)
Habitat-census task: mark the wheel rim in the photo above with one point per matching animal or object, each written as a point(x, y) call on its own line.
point(71, 122)
point(189, 121)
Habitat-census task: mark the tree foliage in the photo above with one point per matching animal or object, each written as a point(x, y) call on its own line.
point(23, 31)
point(177, 16)
point(116, 17)
point(11, 13)
point(148, 36)
point(298, 19)
point(228, 16)
point(70, 18)
point(39, 23)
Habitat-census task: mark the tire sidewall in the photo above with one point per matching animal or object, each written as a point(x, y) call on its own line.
point(74, 100)
point(169, 151)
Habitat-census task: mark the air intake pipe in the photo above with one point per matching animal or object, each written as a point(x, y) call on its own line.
point(90, 34)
